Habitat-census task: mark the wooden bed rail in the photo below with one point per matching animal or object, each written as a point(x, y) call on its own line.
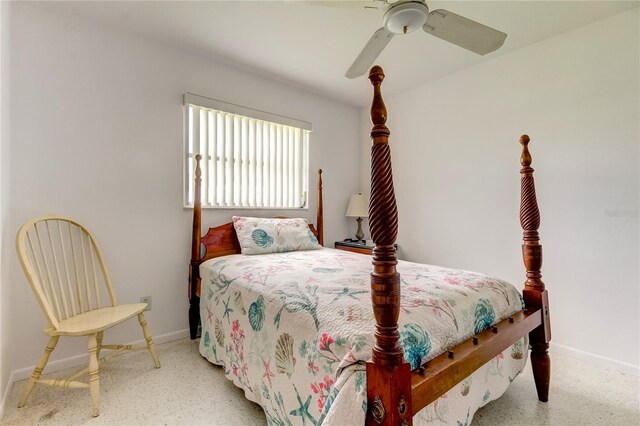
point(395, 393)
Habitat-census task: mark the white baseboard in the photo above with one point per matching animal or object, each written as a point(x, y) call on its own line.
point(75, 361)
point(5, 397)
point(593, 359)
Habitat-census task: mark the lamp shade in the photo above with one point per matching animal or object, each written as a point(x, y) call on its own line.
point(358, 206)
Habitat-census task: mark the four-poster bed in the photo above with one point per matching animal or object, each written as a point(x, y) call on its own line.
point(398, 385)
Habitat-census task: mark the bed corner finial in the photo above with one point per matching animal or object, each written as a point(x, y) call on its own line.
point(525, 158)
point(380, 132)
point(198, 172)
point(376, 75)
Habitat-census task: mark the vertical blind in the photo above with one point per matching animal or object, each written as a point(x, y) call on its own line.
point(247, 161)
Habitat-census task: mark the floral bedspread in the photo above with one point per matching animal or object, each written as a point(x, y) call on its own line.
point(294, 330)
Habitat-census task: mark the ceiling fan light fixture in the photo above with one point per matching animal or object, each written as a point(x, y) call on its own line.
point(405, 17)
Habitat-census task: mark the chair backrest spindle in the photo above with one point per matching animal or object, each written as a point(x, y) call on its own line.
point(72, 303)
point(46, 268)
point(95, 277)
point(87, 287)
point(59, 286)
point(75, 269)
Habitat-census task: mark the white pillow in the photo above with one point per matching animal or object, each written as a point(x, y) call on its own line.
point(260, 235)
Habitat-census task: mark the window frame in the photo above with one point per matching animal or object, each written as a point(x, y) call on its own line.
point(188, 161)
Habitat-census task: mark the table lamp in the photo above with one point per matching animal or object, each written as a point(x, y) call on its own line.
point(358, 208)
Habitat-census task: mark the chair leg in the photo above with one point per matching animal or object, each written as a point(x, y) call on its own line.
point(42, 362)
point(94, 379)
point(99, 337)
point(147, 337)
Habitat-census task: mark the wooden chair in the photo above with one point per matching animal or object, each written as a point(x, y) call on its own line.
point(69, 278)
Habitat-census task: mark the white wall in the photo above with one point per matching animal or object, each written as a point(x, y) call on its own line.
point(5, 371)
point(97, 135)
point(456, 168)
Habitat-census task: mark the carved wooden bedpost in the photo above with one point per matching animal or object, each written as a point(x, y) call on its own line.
point(388, 375)
point(534, 293)
point(319, 213)
point(194, 266)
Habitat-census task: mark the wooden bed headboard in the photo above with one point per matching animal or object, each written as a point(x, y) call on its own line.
point(221, 241)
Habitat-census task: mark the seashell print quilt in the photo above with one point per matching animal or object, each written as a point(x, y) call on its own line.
point(295, 329)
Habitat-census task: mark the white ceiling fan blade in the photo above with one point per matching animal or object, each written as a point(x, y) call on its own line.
point(370, 52)
point(464, 32)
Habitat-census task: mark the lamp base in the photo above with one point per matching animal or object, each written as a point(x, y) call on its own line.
point(359, 233)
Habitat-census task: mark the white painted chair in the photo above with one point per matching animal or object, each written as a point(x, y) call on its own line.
point(69, 278)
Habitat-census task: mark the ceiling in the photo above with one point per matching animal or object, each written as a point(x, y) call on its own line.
point(312, 45)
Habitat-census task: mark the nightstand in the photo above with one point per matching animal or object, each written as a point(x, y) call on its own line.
point(354, 247)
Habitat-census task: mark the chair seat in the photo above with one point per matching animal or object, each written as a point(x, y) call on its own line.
point(97, 320)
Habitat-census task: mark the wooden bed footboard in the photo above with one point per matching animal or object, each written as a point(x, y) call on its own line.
point(221, 241)
point(395, 393)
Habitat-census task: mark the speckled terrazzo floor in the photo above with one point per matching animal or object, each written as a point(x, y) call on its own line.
point(134, 393)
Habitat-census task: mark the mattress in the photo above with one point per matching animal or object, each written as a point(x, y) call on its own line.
point(295, 329)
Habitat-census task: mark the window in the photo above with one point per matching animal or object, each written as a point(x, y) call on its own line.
point(250, 158)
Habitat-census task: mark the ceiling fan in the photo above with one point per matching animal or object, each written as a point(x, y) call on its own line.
point(405, 16)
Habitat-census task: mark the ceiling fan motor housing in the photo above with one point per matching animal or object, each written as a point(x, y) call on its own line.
point(405, 17)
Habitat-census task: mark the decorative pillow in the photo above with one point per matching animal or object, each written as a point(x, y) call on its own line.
point(259, 235)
